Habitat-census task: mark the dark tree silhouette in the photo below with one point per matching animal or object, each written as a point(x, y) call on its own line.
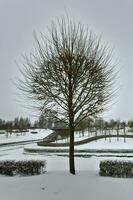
point(70, 74)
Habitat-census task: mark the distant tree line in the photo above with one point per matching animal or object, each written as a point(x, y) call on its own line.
point(44, 122)
point(101, 124)
point(49, 122)
point(19, 123)
point(98, 124)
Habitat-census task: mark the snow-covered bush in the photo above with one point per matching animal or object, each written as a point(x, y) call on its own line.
point(30, 167)
point(116, 168)
point(24, 167)
point(7, 167)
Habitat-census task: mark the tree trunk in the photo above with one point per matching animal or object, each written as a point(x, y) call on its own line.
point(71, 126)
point(71, 152)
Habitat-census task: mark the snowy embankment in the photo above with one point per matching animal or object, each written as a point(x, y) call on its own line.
point(102, 145)
point(27, 136)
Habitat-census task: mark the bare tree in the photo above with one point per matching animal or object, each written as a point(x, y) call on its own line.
point(70, 74)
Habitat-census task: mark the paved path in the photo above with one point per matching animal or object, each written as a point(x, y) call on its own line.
point(19, 142)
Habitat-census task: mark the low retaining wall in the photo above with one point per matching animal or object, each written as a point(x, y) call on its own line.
point(91, 139)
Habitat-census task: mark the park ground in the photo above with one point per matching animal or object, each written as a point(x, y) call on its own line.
point(58, 184)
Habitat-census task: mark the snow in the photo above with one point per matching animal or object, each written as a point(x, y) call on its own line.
point(17, 137)
point(77, 138)
point(101, 144)
point(106, 144)
point(58, 184)
point(85, 135)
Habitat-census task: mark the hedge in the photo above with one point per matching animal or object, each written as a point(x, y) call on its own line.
point(24, 167)
point(116, 168)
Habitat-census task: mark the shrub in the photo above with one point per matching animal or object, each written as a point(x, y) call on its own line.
point(24, 167)
point(30, 167)
point(116, 168)
point(7, 167)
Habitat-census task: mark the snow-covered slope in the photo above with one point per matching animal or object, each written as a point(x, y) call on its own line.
point(95, 145)
point(14, 137)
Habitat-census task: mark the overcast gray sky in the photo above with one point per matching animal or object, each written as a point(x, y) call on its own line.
point(18, 20)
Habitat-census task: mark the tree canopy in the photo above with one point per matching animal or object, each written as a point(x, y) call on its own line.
point(70, 74)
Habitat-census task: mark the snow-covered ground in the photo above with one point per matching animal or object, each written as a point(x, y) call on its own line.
point(58, 184)
point(100, 144)
point(82, 136)
point(16, 137)
point(109, 143)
